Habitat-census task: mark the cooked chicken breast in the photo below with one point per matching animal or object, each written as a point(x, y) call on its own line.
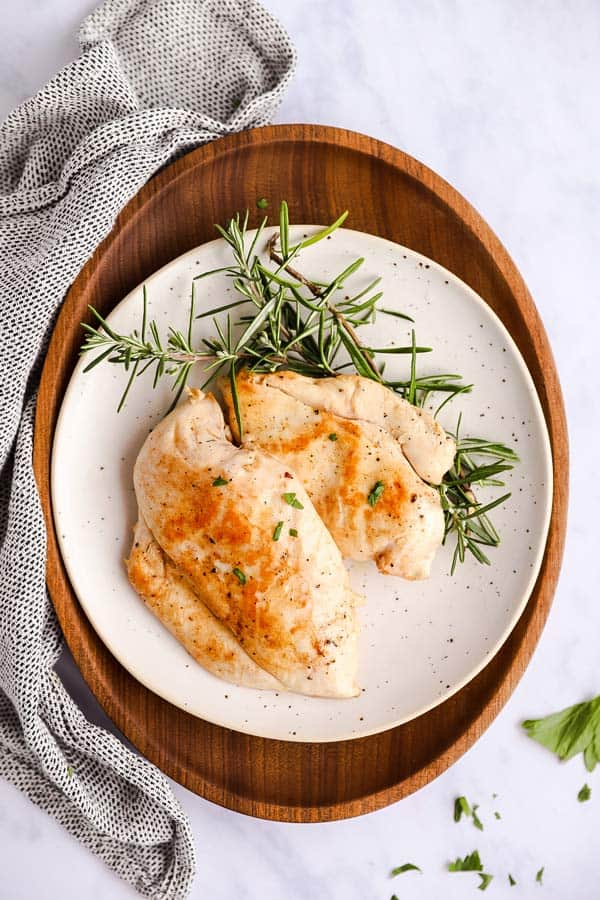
point(243, 534)
point(362, 454)
point(170, 597)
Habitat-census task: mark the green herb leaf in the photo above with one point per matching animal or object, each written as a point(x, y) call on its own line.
point(292, 500)
point(471, 863)
point(70, 771)
point(284, 229)
point(476, 820)
point(375, 493)
point(497, 814)
point(511, 880)
point(314, 238)
point(412, 388)
point(277, 532)
point(333, 436)
point(401, 351)
point(584, 794)
point(240, 575)
point(461, 807)
point(293, 532)
point(406, 867)
point(219, 482)
point(262, 203)
point(539, 875)
point(571, 731)
point(485, 880)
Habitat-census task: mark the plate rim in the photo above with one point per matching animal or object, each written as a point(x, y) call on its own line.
point(78, 633)
point(169, 696)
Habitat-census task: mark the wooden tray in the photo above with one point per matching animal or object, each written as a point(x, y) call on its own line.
point(320, 171)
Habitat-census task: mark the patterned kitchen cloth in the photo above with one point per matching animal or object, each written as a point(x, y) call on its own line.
point(154, 79)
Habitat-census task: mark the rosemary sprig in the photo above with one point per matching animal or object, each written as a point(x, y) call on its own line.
point(478, 462)
point(287, 320)
point(351, 314)
point(283, 327)
point(174, 358)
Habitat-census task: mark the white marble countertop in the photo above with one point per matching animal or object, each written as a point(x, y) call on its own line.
point(502, 100)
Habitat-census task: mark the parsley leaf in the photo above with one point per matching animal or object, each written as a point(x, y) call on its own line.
point(240, 575)
point(471, 863)
point(461, 806)
point(333, 436)
point(292, 500)
point(277, 532)
point(375, 493)
point(511, 880)
point(539, 875)
point(571, 731)
point(218, 482)
point(406, 867)
point(293, 532)
point(476, 820)
point(497, 814)
point(485, 880)
point(585, 793)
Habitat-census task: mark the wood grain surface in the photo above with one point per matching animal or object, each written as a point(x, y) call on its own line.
point(320, 171)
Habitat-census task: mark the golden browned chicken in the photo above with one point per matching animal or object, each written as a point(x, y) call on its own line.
point(171, 598)
point(233, 529)
point(364, 456)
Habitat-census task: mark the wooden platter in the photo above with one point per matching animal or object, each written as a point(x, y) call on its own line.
point(320, 171)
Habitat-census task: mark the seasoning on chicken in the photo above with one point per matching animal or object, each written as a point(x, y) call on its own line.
point(364, 456)
point(242, 534)
point(169, 595)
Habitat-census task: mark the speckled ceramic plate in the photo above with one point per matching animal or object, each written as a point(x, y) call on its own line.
point(420, 642)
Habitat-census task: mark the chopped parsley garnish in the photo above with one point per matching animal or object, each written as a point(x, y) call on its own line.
point(485, 880)
point(277, 532)
point(471, 863)
point(293, 532)
point(406, 867)
point(461, 807)
point(262, 203)
point(292, 500)
point(511, 880)
point(375, 493)
point(585, 793)
point(571, 731)
point(333, 436)
point(497, 814)
point(539, 875)
point(240, 575)
point(476, 820)
point(219, 482)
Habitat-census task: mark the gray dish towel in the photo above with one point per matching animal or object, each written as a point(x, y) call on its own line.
point(155, 78)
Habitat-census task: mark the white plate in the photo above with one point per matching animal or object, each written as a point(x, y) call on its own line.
point(420, 642)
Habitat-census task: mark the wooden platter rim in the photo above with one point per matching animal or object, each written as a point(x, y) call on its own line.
point(86, 647)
